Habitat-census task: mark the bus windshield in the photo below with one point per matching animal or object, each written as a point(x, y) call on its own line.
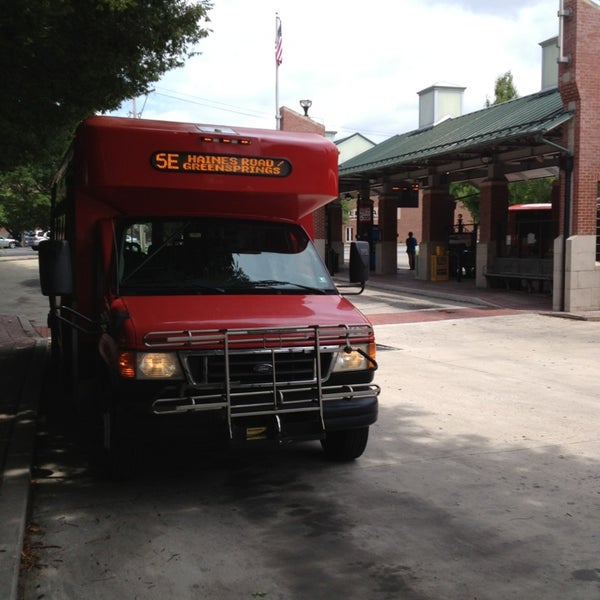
point(217, 256)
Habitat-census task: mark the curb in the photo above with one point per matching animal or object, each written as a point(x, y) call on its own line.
point(390, 287)
point(4, 258)
point(431, 294)
point(575, 316)
point(16, 484)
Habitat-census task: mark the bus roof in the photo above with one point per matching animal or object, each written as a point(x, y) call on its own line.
point(142, 165)
point(532, 206)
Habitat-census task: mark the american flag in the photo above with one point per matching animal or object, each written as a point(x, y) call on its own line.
point(278, 42)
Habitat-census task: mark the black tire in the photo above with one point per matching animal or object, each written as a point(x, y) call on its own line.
point(12, 245)
point(110, 436)
point(345, 445)
point(117, 458)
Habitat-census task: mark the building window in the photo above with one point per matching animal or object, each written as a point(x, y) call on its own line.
point(349, 234)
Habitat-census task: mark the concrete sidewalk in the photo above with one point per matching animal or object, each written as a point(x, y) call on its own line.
point(23, 353)
point(24, 349)
point(405, 281)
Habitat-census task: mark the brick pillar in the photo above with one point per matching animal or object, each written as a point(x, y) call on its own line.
point(493, 222)
point(320, 230)
point(438, 220)
point(334, 232)
point(294, 121)
point(386, 252)
point(555, 198)
point(579, 86)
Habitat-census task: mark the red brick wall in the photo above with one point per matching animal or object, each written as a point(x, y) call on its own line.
point(579, 85)
point(293, 121)
point(410, 220)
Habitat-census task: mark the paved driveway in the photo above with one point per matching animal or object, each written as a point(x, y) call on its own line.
point(481, 480)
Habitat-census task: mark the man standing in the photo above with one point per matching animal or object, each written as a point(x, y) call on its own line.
point(411, 249)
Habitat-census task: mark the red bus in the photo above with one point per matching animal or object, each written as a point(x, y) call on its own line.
point(186, 294)
point(531, 231)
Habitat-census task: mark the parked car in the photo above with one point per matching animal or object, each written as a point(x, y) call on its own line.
point(39, 237)
point(6, 242)
point(35, 237)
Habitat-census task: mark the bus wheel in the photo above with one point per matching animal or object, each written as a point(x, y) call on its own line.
point(117, 454)
point(345, 445)
point(113, 450)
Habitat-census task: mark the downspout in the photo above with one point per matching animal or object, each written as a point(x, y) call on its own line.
point(566, 164)
point(563, 13)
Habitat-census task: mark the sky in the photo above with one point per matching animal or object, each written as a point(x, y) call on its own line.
point(362, 63)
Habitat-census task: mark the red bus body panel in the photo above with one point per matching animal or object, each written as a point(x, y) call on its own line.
point(117, 170)
point(233, 312)
point(115, 177)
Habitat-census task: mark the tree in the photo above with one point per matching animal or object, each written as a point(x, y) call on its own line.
point(532, 191)
point(348, 205)
point(468, 194)
point(24, 199)
point(504, 90)
point(63, 61)
point(520, 192)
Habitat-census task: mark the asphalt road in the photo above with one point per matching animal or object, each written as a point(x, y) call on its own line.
point(481, 480)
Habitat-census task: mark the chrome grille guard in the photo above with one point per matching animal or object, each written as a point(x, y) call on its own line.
point(273, 397)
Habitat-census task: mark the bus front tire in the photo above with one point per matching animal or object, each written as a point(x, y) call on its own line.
point(345, 445)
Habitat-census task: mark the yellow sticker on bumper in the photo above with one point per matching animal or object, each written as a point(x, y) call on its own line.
point(256, 433)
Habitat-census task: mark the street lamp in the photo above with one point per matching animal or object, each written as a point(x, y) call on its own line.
point(306, 104)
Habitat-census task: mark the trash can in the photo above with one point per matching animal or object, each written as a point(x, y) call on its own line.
point(440, 266)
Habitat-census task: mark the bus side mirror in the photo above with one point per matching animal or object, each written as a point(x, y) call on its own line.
point(359, 262)
point(359, 267)
point(56, 272)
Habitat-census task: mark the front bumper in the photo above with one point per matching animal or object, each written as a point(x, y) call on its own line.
point(276, 383)
point(296, 415)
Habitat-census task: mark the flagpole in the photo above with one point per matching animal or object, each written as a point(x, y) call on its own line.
point(277, 116)
point(278, 48)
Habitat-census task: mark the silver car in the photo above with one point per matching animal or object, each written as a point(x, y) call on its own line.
point(6, 242)
point(37, 238)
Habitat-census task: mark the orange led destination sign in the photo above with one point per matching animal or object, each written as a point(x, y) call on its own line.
point(227, 164)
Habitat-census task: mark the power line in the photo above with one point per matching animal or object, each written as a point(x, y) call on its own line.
point(231, 108)
point(211, 103)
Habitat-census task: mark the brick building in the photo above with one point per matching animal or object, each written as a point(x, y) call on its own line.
point(553, 132)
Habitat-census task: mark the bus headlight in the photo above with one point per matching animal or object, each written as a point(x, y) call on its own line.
point(149, 365)
point(356, 359)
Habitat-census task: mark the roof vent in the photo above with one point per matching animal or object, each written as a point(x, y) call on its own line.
point(439, 102)
point(549, 63)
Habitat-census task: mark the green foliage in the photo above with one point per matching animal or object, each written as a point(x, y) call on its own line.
point(504, 89)
point(348, 205)
point(528, 192)
point(520, 192)
point(63, 61)
point(25, 199)
point(468, 194)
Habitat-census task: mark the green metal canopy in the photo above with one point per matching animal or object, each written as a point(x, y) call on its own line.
point(518, 136)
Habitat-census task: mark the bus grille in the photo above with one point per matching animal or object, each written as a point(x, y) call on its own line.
point(252, 368)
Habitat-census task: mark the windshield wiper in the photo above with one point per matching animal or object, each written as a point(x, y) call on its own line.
point(171, 288)
point(277, 282)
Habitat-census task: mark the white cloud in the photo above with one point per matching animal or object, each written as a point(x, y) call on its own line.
point(361, 64)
